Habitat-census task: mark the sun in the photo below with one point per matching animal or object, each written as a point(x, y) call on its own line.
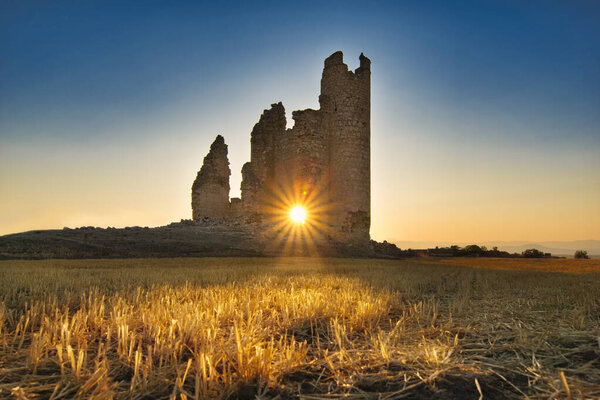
point(298, 214)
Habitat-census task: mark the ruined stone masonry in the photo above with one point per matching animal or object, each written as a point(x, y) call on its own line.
point(323, 162)
point(210, 191)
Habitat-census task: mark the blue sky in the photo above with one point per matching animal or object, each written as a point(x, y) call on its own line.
point(485, 115)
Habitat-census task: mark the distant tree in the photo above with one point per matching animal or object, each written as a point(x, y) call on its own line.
point(532, 253)
point(581, 254)
point(473, 249)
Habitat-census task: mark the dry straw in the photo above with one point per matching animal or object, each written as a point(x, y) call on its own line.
point(314, 329)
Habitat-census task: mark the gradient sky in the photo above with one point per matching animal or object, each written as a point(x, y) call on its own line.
point(485, 115)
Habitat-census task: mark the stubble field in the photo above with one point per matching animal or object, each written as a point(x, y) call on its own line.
point(298, 328)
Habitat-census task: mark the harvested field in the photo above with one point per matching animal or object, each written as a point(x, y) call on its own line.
point(296, 328)
point(563, 265)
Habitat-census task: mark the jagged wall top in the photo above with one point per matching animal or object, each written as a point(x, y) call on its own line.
point(337, 59)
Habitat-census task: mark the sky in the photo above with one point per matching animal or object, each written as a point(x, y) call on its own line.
point(485, 115)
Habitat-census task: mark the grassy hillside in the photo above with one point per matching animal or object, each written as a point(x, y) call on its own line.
point(206, 238)
point(315, 328)
point(167, 241)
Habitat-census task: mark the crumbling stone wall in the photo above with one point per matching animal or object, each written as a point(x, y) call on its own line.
point(262, 141)
point(310, 157)
point(210, 191)
point(323, 160)
point(251, 188)
point(258, 174)
point(235, 207)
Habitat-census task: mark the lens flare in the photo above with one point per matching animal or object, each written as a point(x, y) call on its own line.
point(298, 214)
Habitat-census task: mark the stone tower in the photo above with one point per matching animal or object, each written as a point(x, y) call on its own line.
point(346, 104)
point(210, 191)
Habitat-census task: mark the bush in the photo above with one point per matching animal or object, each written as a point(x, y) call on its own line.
point(581, 254)
point(532, 253)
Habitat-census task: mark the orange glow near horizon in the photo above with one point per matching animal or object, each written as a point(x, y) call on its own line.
point(522, 200)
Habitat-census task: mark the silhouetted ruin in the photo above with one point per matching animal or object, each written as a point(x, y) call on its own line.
point(210, 191)
point(322, 163)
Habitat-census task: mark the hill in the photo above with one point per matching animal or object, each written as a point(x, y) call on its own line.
point(205, 238)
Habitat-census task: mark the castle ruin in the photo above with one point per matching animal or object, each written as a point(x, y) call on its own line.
point(322, 163)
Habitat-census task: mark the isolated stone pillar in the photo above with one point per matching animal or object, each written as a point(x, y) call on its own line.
point(210, 191)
